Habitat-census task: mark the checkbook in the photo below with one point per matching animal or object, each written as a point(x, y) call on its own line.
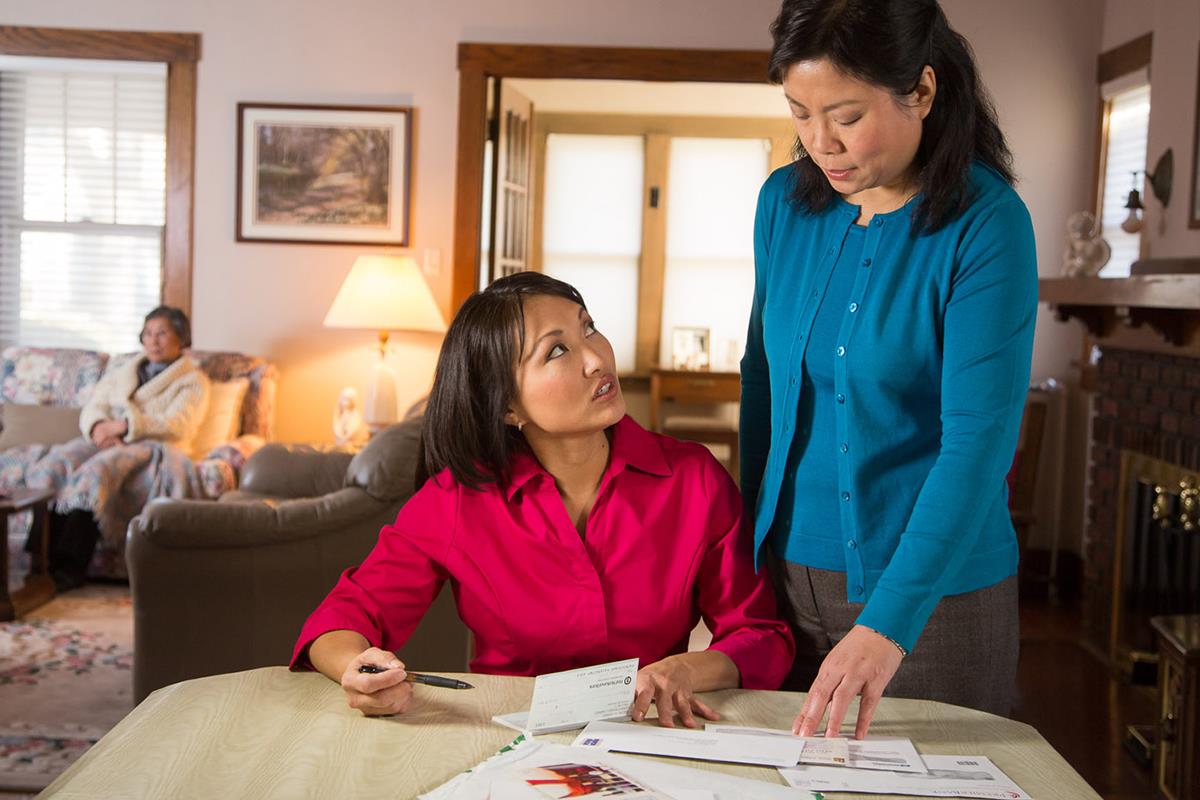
point(564, 701)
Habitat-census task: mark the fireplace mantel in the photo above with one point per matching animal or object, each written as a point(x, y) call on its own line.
point(1168, 304)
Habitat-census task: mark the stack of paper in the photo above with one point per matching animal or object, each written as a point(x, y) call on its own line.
point(947, 776)
point(884, 766)
point(533, 770)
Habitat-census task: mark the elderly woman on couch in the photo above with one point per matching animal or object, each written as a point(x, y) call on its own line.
point(161, 396)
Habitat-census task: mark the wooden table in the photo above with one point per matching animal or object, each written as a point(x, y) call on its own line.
point(271, 733)
point(38, 587)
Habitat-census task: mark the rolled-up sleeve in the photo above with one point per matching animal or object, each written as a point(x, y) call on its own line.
point(387, 595)
point(738, 605)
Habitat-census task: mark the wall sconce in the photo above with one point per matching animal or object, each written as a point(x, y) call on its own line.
point(1160, 185)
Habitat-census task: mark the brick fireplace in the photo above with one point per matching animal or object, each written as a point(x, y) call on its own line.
point(1146, 430)
point(1141, 538)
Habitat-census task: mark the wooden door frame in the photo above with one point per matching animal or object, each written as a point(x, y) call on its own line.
point(180, 52)
point(479, 61)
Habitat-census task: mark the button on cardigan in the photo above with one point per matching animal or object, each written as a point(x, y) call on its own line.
point(930, 377)
point(664, 546)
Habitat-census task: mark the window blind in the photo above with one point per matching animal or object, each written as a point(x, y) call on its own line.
point(1128, 128)
point(82, 196)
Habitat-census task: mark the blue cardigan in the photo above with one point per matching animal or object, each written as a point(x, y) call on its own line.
point(931, 372)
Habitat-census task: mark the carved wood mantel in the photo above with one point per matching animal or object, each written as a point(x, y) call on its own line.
point(1167, 304)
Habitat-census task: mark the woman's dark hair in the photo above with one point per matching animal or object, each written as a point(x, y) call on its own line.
point(176, 319)
point(888, 43)
point(475, 381)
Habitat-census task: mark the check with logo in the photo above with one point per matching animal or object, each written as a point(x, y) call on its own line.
point(563, 701)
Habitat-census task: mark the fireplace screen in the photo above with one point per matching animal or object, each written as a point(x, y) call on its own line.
point(1159, 571)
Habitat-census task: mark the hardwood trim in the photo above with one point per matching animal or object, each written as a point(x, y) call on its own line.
point(180, 52)
point(537, 248)
point(1103, 111)
point(652, 262)
point(468, 183)
point(1194, 214)
point(478, 61)
point(782, 151)
point(614, 63)
point(83, 43)
point(1124, 59)
point(673, 125)
point(178, 230)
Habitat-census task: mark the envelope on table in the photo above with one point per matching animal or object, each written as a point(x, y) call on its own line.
point(706, 745)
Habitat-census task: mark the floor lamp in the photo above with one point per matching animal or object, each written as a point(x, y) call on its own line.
point(386, 293)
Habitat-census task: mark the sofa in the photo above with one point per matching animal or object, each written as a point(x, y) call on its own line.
point(225, 586)
point(62, 378)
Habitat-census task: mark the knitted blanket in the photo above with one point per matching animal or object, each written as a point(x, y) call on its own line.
point(114, 484)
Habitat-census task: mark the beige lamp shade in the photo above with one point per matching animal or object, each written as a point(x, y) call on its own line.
point(385, 293)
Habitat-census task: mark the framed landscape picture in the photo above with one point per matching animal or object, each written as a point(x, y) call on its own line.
point(323, 174)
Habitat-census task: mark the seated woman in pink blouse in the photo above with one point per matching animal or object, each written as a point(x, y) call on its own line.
point(571, 535)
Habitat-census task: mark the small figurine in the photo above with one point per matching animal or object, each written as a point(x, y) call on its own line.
point(1086, 252)
point(348, 425)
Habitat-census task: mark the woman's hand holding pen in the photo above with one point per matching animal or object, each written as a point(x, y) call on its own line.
point(670, 684)
point(377, 693)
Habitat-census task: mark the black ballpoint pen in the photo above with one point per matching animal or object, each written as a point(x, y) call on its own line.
point(417, 677)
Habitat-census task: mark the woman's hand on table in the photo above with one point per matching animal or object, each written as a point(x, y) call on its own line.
point(380, 693)
point(670, 685)
point(862, 663)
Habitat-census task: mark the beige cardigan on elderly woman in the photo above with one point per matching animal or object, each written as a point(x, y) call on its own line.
point(168, 408)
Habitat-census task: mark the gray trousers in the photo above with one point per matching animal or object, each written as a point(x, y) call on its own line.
point(967, 654)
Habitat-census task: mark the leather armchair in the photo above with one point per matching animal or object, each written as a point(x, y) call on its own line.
point(225, 586)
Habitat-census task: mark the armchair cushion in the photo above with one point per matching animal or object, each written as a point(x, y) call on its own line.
point(386, 468)
point(284, 471)
point(35, 424)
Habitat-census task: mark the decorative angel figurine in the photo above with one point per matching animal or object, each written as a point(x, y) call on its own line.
point(348, 425)
point(1086, 252)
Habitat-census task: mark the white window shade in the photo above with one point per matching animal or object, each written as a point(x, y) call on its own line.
point(1128, 128)
point(82, 196)
point(709, 282)
point(592, 228)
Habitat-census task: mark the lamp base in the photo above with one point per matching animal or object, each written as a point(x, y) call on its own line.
point(382, 408)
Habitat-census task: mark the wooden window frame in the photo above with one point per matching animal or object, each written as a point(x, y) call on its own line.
point(180, 52)
point(477, 62)
point(1110, 65)
point(656, 131)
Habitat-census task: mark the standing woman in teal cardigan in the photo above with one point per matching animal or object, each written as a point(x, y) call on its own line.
point(887, 364)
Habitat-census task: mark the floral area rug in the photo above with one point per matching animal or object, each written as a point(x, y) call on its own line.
point(65, 679)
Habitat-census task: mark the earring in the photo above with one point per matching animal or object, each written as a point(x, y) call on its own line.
point(799, 150)
point(520, 426)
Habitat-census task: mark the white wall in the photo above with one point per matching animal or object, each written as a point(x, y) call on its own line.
point(1038, 59)
point(1173, 112)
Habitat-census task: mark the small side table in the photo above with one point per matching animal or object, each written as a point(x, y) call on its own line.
point(38, 588)
point(1177, 757)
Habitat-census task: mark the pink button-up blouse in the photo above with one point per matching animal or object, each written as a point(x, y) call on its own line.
point(664, 546)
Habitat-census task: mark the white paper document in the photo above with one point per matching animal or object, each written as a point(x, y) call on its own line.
point(537, 770)
point(948, 776)
point(651, 739)
point(891, 754)
point(571, 699)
